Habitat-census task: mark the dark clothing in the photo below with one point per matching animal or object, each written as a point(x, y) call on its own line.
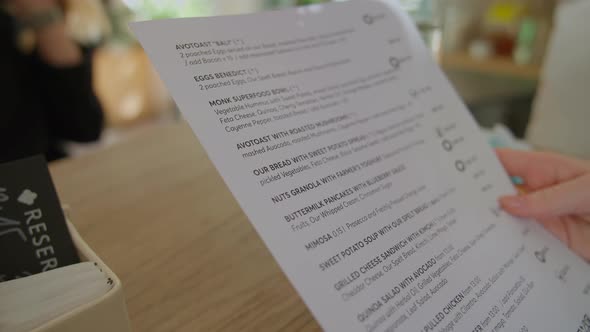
point(40, 105)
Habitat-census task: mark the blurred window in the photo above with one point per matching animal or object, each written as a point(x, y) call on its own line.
point(156, 9)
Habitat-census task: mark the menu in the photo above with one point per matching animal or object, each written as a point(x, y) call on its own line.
point(363, 172)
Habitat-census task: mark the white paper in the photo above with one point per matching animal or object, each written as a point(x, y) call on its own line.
point(363, 172)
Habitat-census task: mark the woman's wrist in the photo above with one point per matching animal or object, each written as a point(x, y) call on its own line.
point(45, 20)
point(56, 48)
point(39, 18)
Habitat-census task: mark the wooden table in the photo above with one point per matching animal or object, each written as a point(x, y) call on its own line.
point(158, 213)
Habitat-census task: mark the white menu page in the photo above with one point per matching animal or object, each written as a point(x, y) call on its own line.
point(363, 171)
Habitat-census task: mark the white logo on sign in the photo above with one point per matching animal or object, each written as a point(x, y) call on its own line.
point(3, 196)
point(8, 226)
point(27, 197)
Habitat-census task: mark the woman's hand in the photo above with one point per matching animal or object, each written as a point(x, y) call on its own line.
point(23, 8)
point(54, 45)
point(557, 194)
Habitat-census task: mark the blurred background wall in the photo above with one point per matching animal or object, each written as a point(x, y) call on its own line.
point(492, 50)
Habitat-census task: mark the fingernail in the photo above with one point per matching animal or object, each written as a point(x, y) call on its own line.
point(512, 202)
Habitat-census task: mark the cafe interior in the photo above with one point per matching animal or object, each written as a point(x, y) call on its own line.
point(492, 51)
point(148, 201)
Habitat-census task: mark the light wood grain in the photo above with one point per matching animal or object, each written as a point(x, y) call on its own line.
point(157, 212)
point(495, 66)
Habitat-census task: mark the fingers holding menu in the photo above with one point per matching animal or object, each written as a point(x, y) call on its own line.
point(357, 164)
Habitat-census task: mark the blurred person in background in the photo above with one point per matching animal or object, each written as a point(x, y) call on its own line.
point(46, 94)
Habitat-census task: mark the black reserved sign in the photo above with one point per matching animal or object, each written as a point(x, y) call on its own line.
point(34, 237)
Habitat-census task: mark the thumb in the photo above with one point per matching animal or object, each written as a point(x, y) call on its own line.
point(570, 197)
